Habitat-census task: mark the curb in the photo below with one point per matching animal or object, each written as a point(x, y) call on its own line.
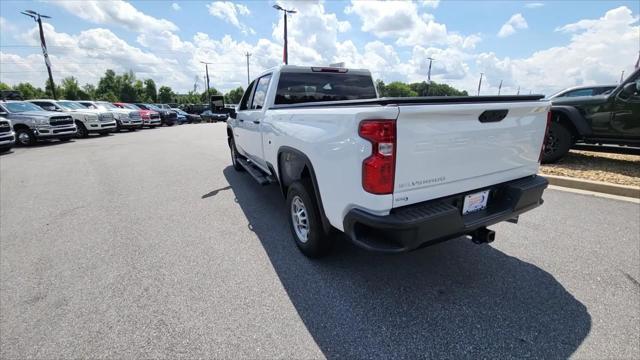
point(596, 186)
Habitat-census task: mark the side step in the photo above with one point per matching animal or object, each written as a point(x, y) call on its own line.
point(256, 173)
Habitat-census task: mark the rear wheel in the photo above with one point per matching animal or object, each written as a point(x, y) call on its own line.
point(25, 137)
point(305, 221)
point(557, 143)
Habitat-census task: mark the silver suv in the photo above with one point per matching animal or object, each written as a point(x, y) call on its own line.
point(31, 123)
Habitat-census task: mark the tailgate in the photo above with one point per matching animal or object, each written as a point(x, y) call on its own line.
point(446, 149)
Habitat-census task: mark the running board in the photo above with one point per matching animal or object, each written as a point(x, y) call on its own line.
point(256, 173)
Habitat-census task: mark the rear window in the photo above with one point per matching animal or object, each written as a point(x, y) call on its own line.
point(296, 88)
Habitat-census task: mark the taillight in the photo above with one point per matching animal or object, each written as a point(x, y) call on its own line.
point(378, 170)
point(544, 139)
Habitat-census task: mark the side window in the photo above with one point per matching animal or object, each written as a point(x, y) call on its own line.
point(261, 92)
point(245, 98)
point(45, 105)
point(581, 92)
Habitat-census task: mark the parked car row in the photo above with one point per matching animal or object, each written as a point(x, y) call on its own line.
point(26, 122)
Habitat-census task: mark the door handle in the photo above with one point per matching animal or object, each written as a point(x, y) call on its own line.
point(241, 120)
point(256, 121)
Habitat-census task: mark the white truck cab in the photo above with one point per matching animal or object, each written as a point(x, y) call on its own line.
point(394, 174)
point(87, 120)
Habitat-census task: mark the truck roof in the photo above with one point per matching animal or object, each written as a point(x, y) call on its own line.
point(310, 69)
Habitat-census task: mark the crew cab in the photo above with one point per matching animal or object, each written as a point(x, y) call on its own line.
point(125, 119)
point(31, 123)
point(393, 174)
point(7, 136)
point(167, 117)
point(87, 120)
point(149, 118)
point(609, 118)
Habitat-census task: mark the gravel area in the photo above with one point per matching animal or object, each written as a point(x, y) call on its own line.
point(612, 168)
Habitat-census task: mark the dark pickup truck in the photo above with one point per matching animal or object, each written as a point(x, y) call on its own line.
point(613, 118)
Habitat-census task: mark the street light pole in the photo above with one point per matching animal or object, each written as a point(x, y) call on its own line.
point(38, 18)
point(500, 87)
point(285, 54)
point(206, 69)
point(480, 83)
point(248, 77)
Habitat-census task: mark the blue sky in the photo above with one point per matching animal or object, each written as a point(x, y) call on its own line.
point(168, 38)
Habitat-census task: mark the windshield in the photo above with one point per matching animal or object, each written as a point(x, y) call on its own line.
point(130, 106)
point(152, 107)
point(106, 105)
point(21, 106)
point(70, 105)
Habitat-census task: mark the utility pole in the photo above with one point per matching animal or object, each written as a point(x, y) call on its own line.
point(500, 87)
point(285, 54)
point(206, 69)
point(518, 91)
point(480, 83)
point(38, 18)
point(248, 77)
point(621, 76)
point(429, 75)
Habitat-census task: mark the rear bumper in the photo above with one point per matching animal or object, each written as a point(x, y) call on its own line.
point(434, 221)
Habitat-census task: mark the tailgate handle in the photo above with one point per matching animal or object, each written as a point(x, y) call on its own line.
point(493, 115)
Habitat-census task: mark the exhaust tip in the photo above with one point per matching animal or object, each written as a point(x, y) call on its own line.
point(483, 236)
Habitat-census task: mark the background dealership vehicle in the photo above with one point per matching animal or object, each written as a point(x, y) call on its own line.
point(125, 119)
point(210, 116)
point(183, 116)
point(7, 136)
point(612, 118)
point(167, 117)
point(577, 91)
point(31, 123)
point(87, 120)
point(394, 174)
point(150, 118)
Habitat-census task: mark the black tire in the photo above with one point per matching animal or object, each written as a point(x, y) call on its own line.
point(25, 137)
point(235, 156)
point(118, 126)
point(557, 143)
point(132, 129)
point(318, 243)
point(82, 131)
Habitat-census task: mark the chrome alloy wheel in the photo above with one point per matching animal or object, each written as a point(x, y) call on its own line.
point(300, 219)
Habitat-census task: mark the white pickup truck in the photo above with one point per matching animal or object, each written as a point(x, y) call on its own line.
point(394, 174)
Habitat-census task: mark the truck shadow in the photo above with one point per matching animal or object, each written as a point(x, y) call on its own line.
point(453, 300)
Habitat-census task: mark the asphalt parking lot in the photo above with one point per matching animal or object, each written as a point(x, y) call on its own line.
point(150, 245)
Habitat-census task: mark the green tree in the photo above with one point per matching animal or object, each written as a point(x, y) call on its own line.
point(381, 88)
point(89, 90)
point(49, 93)
point(4, 86)
point(165, 94)
point(234, 96)
point(107, 87)
point(126, 87)
point(29, 91)
point(150, 90)
point(399, 89)
point(70, 88)
point(138, 86)
point(435, 89)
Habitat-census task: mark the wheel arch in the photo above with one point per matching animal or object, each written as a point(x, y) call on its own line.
point(294, 165)
point(572, 119)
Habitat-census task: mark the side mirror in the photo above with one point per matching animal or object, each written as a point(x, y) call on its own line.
point(232, 113)
point(630, 89)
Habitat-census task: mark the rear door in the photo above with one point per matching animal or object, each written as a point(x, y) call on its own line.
point(447, 149)
point(250, 121)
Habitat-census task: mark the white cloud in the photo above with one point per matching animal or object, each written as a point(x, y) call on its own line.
point(176, 6)
point(534, 5)
point(517, 21)
point(115, 12)
point(229, 12)
point(430, 3)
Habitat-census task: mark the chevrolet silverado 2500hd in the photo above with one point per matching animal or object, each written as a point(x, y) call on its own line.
point(394, 174)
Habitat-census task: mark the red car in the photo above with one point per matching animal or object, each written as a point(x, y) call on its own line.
point(150, 118)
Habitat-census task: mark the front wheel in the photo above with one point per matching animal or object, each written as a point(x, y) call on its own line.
point(25, 137)
point(82, 131)
point(557, 143)
point(235, 156)
point(305, 221)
